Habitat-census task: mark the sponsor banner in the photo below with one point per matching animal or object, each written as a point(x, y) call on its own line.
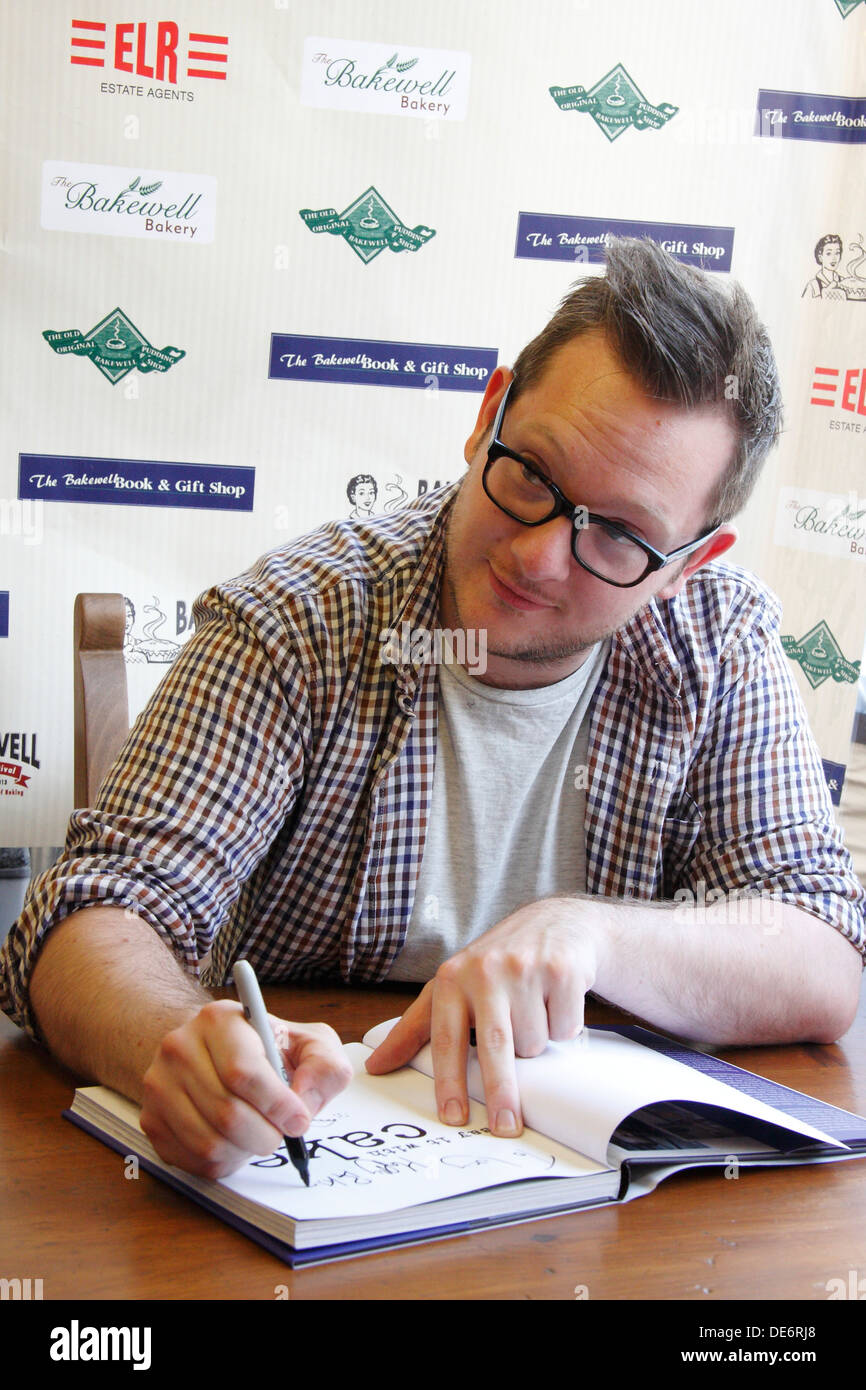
point(841, 388)
point(149, 636)
point(12, 779)
point(136, 482)
point(824, 523)
point(368, 225)
point(115, 346)
point(811, 116)
point(18, 760)
point(369, 496)
point(152, 639)
point(114, 201)
point(385, 79)
point(835, 774)
point(4, 612)
point(616, 104)
point(376, 362)
point(160, 49)
point(820, 657)
point(828, 282)
point(547, 236)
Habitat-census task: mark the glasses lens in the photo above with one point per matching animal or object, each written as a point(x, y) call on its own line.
point(518, 490)
point(609, 554)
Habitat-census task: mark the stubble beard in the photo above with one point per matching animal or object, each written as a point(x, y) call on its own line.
point(527, 652)
point(532, 653)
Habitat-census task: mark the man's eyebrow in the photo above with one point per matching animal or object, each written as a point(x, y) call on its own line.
point(625, 505)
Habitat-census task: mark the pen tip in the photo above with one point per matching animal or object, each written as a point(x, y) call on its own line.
point(306, 1178)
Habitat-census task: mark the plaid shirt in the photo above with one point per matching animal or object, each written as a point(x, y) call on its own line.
point(272, 800)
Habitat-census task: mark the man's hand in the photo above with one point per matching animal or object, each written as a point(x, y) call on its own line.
point(114, 1005)
point(212, 1098)
point(701, 975)
point(519, 985)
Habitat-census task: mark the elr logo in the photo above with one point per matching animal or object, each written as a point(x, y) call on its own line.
point(840, 389)
point(148, 50)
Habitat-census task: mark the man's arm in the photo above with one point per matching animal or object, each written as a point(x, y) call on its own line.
point(190, 809)
point(699, 973)
point(113, 1004)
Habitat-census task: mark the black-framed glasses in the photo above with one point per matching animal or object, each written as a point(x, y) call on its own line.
point(603, 547)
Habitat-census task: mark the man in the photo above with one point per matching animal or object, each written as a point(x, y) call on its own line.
point(547, 829)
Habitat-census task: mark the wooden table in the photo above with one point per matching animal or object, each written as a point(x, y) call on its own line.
point(70, 1217)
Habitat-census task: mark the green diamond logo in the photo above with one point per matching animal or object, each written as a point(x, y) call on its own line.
point(819, 656)
point(615, 103)
point(371, 223)
point(114, 341)
point(115, 346)
point(368, 225)
point(846, 6)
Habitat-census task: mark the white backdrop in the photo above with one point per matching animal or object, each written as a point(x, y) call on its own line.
point(166, 415)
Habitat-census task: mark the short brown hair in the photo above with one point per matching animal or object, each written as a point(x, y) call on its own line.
point(687, 337)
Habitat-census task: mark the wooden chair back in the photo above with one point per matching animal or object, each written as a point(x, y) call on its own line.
point(101, 700)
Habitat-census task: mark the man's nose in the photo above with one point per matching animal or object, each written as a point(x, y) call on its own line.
point(544, 552)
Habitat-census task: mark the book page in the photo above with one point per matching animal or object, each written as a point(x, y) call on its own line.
point(579, 1092)
point(378, 1147)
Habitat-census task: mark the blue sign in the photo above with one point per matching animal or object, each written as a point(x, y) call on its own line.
point(4, 612)
point(835, 774)
point(373, 362)
point(136, 482)
point(550, 236)
point(810, 116)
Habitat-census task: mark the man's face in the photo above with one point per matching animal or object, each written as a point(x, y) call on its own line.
point(650, 466)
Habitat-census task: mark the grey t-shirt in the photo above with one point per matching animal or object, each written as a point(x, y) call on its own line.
point(507, 813)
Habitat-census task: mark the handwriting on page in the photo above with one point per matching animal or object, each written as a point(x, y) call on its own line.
point(399, 1148)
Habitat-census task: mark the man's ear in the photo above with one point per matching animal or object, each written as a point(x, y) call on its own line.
point(715, 546)
point(493, 394)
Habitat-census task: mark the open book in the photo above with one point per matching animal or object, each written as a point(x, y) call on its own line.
point(608, 1116)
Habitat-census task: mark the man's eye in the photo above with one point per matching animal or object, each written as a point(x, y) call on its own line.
point(530, 477)
point(617, 538)
point(634, 533)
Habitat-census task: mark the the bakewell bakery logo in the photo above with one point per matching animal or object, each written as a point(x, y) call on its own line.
point(824, 523)
point(385, 79)
point(114, 201)
point(160, 50)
